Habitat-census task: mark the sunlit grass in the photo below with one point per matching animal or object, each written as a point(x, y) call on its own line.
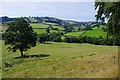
point(65, 60)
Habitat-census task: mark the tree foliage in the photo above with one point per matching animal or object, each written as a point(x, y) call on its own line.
point(110, 11)
point(20, 36)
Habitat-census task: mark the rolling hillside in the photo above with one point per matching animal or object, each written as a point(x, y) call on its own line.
point(63, 60)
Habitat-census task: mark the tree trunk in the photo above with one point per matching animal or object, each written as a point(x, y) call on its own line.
point(21, 53)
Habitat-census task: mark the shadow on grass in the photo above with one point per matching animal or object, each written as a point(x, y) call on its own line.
point(32, 56)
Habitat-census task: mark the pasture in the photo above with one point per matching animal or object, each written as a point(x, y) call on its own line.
point(32, 19)
point(95, 32)
point(39, 25)
point(62, 60)
point(41, 28)
point(90, 33)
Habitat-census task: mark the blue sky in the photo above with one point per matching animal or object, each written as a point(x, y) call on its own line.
point(79, 11)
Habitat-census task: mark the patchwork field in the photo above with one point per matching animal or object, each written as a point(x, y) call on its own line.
point(95, 32)
point(90, 33)
point(41, 28)
point(59, 60)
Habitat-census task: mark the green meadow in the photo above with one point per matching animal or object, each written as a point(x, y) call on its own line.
point(63, 60)
point(41, 28)
point(80, 40)
point(95, 32)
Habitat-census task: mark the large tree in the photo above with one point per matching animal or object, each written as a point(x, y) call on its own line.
point(111, 12)
point(19, 36)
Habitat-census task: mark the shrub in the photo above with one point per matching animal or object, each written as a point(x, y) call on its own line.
point(42, 38)
point(82, 39)
point(71, 39)
point(56, 37)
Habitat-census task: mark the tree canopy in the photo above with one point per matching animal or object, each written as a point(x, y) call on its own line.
point(19, 36)
point(111, 12)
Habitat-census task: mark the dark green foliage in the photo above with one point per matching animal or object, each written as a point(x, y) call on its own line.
point(55, 37)
point(68, 27)
point(104, 29)
point(71, 39)
point(48, 30)
point(45, 37)
point(96, 41)
point(20, 36)
point(82, 39)
point(111, 11)
point(89, 40)
point(42, 38)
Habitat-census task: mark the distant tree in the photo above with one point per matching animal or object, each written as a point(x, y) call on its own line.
point(20, 36)
point(55, 37)
point(68, 27)
point(43, 38)
point(79, 29)
point(47, 30)
point(110, 11)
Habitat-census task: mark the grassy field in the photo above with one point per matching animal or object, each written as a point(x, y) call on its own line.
point(63, 60)
point(100, 27)
point(95, 32)
point(35, 28)
point(74, 34)
point(40, 31)
point(33, 19)
point(39, 25)
point(91, 33)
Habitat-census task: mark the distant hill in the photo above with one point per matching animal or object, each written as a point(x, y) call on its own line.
point(69, 25)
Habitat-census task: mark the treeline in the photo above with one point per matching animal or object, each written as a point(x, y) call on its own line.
point(93, 40)
point(45, 37)
point(57, 37)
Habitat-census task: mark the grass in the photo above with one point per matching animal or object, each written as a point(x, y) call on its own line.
point(40, 31)
point(95, 33)
point(45, 26)
point(59, 27)
point(74, 34)
point(33, 19)
point(91, 33)
point(4, 28)
point(100, 27)
point(39, 25)
point(65, 60)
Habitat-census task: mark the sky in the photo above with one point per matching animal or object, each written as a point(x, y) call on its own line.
point(79, 11)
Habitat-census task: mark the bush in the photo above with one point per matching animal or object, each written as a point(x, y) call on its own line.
point(71, 39)
point(42, 38)
point(55, 37)
point(89, 40)
point(96, 41)
point(82, 39)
